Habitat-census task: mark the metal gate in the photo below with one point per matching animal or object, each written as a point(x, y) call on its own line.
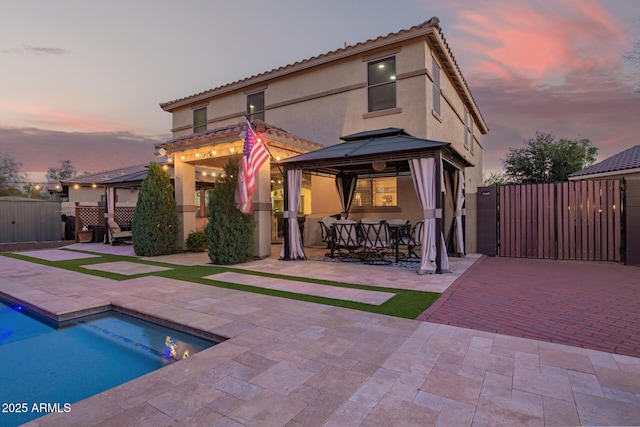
point(581, 220)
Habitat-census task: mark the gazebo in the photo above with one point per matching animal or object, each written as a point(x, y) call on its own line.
point(386, 152)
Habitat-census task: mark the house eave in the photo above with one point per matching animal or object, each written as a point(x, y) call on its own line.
point(604, 174)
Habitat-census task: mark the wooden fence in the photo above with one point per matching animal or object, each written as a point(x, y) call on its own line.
point(581, 220)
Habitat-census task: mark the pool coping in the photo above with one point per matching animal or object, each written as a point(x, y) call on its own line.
point(63, 317)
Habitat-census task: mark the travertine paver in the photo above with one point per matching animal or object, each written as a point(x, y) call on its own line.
point(298, 287)
point(57, 255)
point(125, 268)
point(346, 367)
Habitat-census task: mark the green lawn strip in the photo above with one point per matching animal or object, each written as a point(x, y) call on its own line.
point(406, 303)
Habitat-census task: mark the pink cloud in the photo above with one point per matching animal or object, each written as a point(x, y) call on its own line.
point(56, 119)
point(540, 40)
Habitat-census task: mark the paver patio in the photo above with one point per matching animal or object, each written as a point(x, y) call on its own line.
point(290, 362)
point(585, 304)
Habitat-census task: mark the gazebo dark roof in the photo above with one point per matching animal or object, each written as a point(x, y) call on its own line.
point(393, 146)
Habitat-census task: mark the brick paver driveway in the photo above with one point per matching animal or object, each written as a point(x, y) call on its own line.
point(585, 304)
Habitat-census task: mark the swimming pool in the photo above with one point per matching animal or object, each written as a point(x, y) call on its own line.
point(45, 367)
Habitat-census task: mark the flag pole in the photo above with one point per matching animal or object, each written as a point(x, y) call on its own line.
point(287, 220)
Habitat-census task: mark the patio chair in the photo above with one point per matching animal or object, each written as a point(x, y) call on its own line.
point(345, 237)
point(116, 234)
point(325, 229)
point(415, 240)
point(400, 236)
point(376, 241)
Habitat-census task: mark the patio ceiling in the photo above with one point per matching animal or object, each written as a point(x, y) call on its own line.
point(392, 147)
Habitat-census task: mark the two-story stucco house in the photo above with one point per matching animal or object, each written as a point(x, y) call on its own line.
point(407, 80)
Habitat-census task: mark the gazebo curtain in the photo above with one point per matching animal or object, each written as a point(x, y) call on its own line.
point(346, 185)
point(294, 185)
point(423, 172)
point(459, 212)
point(455, 201)
point(111, 207)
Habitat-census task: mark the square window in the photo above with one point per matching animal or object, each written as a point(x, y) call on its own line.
point(381, 84)
point(376, 192)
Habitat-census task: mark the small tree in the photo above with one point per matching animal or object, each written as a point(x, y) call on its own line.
point(154, 225)
point(545, 159)
point(65, 171)
point(229, 231)
point(494, 178)
point(10, 175)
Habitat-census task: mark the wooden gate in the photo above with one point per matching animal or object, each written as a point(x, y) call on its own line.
point(581, 220)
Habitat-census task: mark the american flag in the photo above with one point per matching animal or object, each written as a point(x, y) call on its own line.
point(253, 157)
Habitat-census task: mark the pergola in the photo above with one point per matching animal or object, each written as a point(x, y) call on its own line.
point(384, 152)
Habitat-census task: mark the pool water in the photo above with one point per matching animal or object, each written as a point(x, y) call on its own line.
point(46, 368)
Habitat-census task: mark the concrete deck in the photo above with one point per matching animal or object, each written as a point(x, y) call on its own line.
point(295, 363)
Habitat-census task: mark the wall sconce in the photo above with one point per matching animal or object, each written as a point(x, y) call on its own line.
point(213, 152)
point(233, 150)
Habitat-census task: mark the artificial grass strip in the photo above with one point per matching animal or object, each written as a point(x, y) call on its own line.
point(406, 303)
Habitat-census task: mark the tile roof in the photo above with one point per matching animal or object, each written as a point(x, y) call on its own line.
point(233, 131)
point(627, 159)
point(430, 27)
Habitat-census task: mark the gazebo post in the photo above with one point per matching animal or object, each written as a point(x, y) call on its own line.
point(438, 237)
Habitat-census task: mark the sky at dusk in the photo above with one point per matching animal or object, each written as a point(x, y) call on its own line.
point(82, 80)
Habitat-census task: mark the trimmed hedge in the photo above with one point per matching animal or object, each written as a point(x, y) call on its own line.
point(229, 231)
point(154, 225)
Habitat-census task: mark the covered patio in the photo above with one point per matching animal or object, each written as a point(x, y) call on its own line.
point(211, 150)
point(434, 166)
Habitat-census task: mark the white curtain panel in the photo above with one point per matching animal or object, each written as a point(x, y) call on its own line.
point(294, 184)
point(423, 172)
point(458, 232)
point(111, 205)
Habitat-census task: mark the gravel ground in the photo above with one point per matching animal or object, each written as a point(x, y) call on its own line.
point(30, 246)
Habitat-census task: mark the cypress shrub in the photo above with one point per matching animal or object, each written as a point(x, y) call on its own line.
point(154, 225)
point(229, 231)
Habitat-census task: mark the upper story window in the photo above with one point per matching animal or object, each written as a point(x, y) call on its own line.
point(436, 86)
point(381, 84)
point(255, 106)
point(200, 120)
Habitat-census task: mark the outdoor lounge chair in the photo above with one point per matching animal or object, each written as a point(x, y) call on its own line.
point(116, 234)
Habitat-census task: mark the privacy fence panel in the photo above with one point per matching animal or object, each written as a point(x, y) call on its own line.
point(567, 220)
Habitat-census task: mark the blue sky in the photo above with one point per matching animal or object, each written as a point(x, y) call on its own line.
point(82, 80)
